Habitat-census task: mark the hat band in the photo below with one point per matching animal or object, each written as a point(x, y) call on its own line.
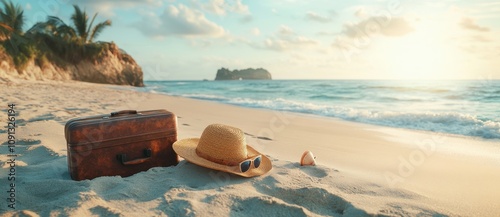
point(215, 160)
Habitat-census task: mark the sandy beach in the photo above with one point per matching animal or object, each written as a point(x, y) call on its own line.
point(362, 169)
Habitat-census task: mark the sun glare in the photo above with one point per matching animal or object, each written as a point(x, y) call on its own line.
point(424, 54)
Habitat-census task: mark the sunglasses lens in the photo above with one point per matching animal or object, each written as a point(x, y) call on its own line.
point(244, 166)
point(256, 162)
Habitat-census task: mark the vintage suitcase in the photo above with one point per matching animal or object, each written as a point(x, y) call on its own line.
point(121, 143)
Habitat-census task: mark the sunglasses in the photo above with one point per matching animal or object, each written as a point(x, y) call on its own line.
point(245, 165)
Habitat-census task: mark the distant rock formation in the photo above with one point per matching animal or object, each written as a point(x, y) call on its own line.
point(113, 67)
point(245, 74)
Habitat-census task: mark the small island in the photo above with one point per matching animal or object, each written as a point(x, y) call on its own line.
point(245, 74)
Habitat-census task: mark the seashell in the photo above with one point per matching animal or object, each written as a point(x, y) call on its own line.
point(308, 159)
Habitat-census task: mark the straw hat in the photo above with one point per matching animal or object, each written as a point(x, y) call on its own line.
point(223, 148)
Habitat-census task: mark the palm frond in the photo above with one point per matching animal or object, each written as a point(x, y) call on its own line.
point(38, 28)
point(55, 21)
point(80, 20)
point(98, 29)
point(13, 16)
point(90, 26)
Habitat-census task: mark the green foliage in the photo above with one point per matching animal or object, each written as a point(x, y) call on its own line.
point(80, 21)
point(50, 41)
point(21, 51)
point(96, 31)
point(83, 28)
point(12, 16)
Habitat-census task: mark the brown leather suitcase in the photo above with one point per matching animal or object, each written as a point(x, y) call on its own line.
point(121, 143)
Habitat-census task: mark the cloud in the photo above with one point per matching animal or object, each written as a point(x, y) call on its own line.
point(480, 38)
point(106, 7)
point(246, 19)
point(326, 33)
point(255, 31)
point(216, 7)
point(285, 30)
point(223, 7)
point(361, 12)
point(312, 16)
point(239, 7)
point(278, 44)
point(120, 3)
point(395, 26)
point(284, 39)
point(180, 21)
point(468, 23)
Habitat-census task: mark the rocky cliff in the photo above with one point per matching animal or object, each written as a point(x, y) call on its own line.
point(113, 67)
point(245, 74)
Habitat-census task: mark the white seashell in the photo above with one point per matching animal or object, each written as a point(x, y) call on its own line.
point(308, 159)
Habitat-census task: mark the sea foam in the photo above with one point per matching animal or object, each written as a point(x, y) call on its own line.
point(468, 108)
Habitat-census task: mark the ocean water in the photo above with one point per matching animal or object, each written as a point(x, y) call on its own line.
point(470, 108)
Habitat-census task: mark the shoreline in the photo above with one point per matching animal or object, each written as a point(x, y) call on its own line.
point(455, 176)
point(472, 122)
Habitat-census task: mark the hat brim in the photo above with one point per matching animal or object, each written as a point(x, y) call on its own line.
point(186, 148)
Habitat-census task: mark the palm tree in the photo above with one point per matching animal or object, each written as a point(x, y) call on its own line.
point(12, 16)
point(11, 30)
point(83, 28)
point(71, 42)
point(81, 31)
point(54, 27)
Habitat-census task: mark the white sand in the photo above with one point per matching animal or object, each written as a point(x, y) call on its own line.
point(429, 174)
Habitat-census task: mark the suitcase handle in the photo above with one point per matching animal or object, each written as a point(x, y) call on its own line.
point(123, 158)
point(124, 112)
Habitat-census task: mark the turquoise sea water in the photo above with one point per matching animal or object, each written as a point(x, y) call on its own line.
point(470, 108)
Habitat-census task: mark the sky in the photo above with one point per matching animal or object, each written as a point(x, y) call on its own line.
point(298, 39)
